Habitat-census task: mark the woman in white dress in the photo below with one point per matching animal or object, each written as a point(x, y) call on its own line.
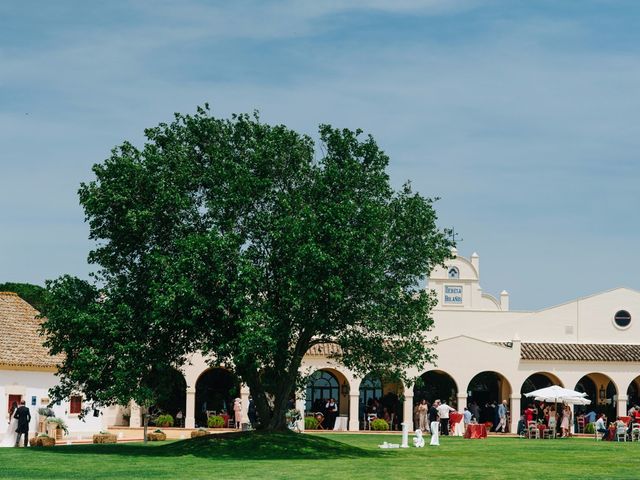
point(9, 439)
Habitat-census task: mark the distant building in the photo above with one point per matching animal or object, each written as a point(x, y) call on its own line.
point(485, 353)
point(27, 371)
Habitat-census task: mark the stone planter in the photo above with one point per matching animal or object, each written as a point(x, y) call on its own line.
point(156, 437)
point(199, 433)
point(104, 438)
point(42, 442)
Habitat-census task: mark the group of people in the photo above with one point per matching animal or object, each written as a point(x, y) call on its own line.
point(326, 411)
point(19, 419)
point(557, 420)
point(424, 415)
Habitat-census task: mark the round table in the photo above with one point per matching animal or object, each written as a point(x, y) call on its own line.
point(476, 430)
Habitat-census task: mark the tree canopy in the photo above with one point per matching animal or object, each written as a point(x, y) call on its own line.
point(249, 243)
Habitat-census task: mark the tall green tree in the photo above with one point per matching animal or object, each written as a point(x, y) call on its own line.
point(247, 243)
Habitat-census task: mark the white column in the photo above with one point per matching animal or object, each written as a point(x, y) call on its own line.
point(354, 407)
point(300, 406)
point(135, 419)
point(462, 401)
point(515, 412)
point(407, 410)
point(622, 405)
point(244, 397)
point(190, 418)
point(573, 420)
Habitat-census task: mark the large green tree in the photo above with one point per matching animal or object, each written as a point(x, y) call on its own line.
point(249, 243)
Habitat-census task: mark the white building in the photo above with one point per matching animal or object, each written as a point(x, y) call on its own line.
point(27, 371)
point(484, 352)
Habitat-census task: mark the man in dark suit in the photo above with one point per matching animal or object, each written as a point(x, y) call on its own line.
point(24, 417)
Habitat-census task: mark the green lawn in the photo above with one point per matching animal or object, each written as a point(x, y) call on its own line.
point(328, 456)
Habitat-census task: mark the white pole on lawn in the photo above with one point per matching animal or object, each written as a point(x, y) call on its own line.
point(405, 436)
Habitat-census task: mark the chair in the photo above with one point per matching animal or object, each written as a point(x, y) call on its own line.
point(621, 432)
point(532, 430)
point(596, 433)
point(580, 422)
point(550, 432)
point(320, 418)
point(370, 418)
point(231, 423)
point(635, 432)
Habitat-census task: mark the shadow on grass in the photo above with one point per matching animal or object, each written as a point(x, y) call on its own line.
point(232, 446)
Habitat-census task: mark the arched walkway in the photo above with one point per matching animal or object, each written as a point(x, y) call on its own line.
point(602, 392)
point(381, 397)
point(436, 384)
point(486, 390)
point(172, 396)
point(323, 385)
point(633, 393)
point(536, 381)
point(216, 389)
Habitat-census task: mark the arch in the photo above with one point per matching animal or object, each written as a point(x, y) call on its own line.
point(539, 380)
point(536, 381)
point(601, 390)
point(380, 396)
point(324, 391)
point(486, 389)
point(436, 384)
point(216, 388)
point(633, 392)
point(172, 396)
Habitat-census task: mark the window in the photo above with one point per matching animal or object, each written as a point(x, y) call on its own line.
point(321, 387)
point(75, 405)
point(13, 399)
point(622, 319)
point(454, 272)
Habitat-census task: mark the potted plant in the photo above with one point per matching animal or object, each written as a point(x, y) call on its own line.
point(310, 423)
point(164, 421)
point(105, 437)
point(379, 424)
point(43, 414)
point(215, 421)
point(156, 436)
point(56, 427)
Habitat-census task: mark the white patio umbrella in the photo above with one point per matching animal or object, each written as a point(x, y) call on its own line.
point(557, 394)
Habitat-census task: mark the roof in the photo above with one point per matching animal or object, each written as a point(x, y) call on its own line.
point(20, 340)
point(581, 352)
point(325, 349)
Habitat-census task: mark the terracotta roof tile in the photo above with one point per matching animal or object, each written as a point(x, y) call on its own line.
point(325, 349)
point(20, 341)
point(581, 352)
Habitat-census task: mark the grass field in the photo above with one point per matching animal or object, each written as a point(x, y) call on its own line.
point(327, 457)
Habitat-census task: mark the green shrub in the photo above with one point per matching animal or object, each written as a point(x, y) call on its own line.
point(215, 421)
point(590, 428)
point(164, 421)
point(379, 424)
point(310, 423)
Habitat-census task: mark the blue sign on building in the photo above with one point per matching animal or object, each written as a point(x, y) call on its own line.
point(453, 294)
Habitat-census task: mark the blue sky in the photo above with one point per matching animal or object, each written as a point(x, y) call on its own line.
point(521, 115)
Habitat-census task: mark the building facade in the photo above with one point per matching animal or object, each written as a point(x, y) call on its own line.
point(485, 352)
